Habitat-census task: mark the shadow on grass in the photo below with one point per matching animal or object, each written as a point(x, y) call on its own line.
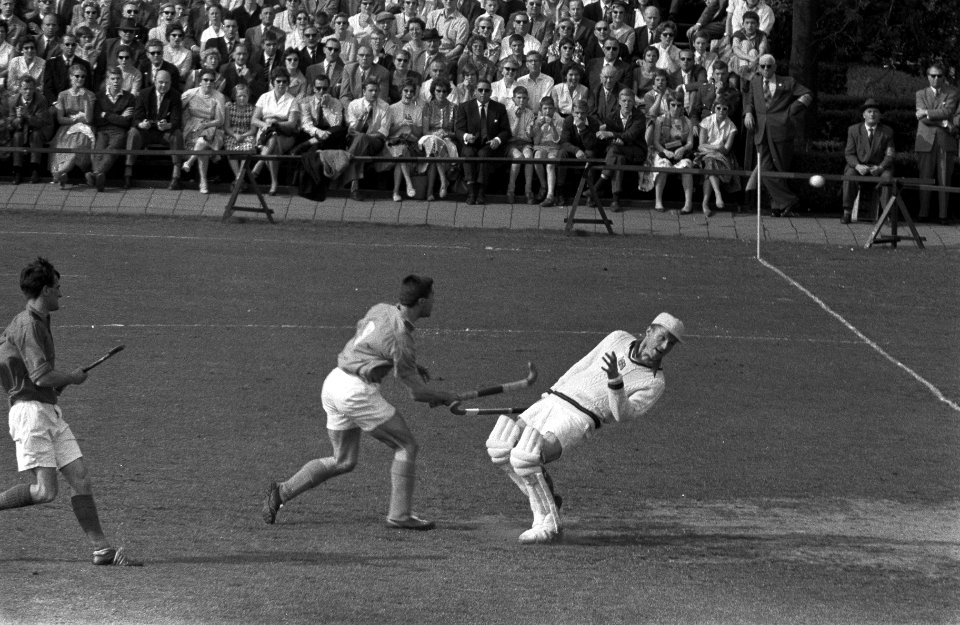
point(320, 558)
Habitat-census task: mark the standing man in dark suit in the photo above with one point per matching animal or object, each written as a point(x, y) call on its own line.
point(869, 152)
point(582, 27)
point(56, 73)
point(770, 106)
point(604, 99)
point(647, 35)
point(157, 120)
point(936, 143)
point(623, 134)
point(482, 129)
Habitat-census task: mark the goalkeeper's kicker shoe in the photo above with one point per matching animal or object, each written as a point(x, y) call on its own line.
point(272, 505)
point(114, 557)
point(411, 523)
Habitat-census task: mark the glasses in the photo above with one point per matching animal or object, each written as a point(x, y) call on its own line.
point(85, 13)
point(666, 34)
point(601, 29)
point(484, 89)
point(69, 44)
point(322, 88)
point(510, 69)
point(176, 35)
point(123, 56)
point(206, 80)
point(686, 58)
point(520, 22)
point(169, 13)
point(616, 12)
point(293, 59)
point(930, 75)
point(153, 53)
point(611, 47)
point(281, 81)
point(766, 65)
point(402, 60)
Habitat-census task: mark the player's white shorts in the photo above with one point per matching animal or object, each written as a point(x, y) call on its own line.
point(351, 402)
point(559, 417)
point(42, 437)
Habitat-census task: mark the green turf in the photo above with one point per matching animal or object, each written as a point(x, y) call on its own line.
point(790, 474)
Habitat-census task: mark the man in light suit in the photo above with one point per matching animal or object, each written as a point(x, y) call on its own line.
point(770, 106)
point(936, 143)
point(869, 152)
point(477, 138)
point(157, 120)
point(356, 74)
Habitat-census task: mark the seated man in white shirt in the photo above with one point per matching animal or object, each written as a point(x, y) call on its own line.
point(368, 126)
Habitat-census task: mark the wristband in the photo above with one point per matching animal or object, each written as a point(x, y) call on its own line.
point(615, 384)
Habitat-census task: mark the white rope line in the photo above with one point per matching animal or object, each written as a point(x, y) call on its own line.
point(916, 376)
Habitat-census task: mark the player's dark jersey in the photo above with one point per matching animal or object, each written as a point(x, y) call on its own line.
point(26, 353)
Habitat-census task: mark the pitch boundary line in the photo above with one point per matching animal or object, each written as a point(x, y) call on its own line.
point(863, 337)
point(432, 331)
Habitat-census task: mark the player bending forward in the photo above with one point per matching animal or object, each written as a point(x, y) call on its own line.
point(351, 398)
point(619, 380)
point(43, 439)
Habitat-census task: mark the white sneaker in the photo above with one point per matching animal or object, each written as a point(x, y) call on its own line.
point(539, 535)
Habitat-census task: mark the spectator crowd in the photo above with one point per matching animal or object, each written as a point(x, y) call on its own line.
point(623, 81)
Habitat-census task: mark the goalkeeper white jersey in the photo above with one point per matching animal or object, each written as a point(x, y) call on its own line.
point(586, 382)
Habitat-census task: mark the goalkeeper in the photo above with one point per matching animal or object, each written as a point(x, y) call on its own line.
point(620, 379)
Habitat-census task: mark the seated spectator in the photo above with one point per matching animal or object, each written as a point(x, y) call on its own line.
point(209, 59)
point(132, 77)
point(545, 136)
point(155, 64)
point(520, 30)
point(669, 59)
point(278, 118)
point(717, 135)
point(437, 138)
point(438, 70)
point(416, 46)
point(622, 31)
point(654, 101)
point(157, 121)
point(56, 72)
point(27, 64)
point(749, 44)
point(29, 125)
point(610, 58)
point(520, 145)
point(362, 22)
point(432, 54)
point(255, 35)
point(673, 146)
point(737, 11)
point(467, 89)
point(298, 82)
point(484, 28)
point(356, 75)
point(390, 43)
point(239, 134)
point(402, 74)
point(74, 111)
point(240, 69)
point(482, 128)
point(312, 50)
point(512, 50)
point(503, 89)
point(86, 49)
point(126, 37)
point(297, 38)
point(604, 98)
point(90, 19)
point(348, 43)
point(113, 117)
point(564, 94)
point(623, 134)
point(375, 39)
point(578, 138)
point(496, 28)
point(324, 119)
point(537, 83)
point(646, 70)
point(703, 55)
point(168, 19)
point(869, 152)
point(475, 57)
point(410, 10)
point(331, 67)
point(563, 31)
point(368, 126)
point(406, 127)
point(203, 121)
point(557, 68)
point(16, 27)
point(181, 57)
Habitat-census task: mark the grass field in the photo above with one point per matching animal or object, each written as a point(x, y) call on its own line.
point(790, 474)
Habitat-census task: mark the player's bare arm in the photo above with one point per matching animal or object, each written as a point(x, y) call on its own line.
point(57, 379)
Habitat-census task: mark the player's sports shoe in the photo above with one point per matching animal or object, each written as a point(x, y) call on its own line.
point(412, 523)
point(272, 505)
point(539, 535)
point(114, 557)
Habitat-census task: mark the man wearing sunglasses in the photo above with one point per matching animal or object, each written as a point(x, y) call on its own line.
point(482, 129)
point(936, 143)
point(56, 73)
point(610, 58)
point(155, 64)
point(771, 106)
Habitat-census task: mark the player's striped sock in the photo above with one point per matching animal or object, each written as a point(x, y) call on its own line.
point(16, 497)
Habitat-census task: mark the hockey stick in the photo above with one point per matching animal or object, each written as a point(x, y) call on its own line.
point(457, 410)
point(97, 362)
point(503, 388)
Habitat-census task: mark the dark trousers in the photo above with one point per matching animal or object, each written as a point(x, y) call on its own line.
point(362, 145)
point(621, 155)
point(777, 156)
point(137, 138)
point(563, 171)
point(937, 164)
point(850, 188)
point(32, 138)
point(108, 138)
point(476, 173)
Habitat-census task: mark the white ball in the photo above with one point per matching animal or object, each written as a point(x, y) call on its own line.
point(817, 181)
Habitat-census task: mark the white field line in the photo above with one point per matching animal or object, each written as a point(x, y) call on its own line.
point(433, 331)
point(864, 338)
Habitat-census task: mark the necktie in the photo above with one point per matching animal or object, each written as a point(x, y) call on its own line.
point(483, 123)
point(365, 123)
point(870, 135)
point(330, 71)
point(766, 90)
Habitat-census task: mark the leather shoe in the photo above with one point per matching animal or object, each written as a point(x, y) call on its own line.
point(471, 198)
point(847, 217)
point(90, 178)
point(481, 198)
point(174, 185)
point(615, 205)
point(17, 177)
point(101, 180)
point(35, 177)
point(127, 182)
point(354, 195)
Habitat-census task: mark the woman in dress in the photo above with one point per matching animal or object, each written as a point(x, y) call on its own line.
point(545, 135)
point(209, 61)
point(564, 94)
point(27, 64)
point(74, 110)
point(203, 116)
point(644, 74)
point(240, 135)
point(620, 30)
point(439, 119)
point(673, 146)
point(176, 53)
point(132, 77)
point(669, 53)
point(717, 134)
point(298, 82)
point(476, 56)
point(89, 14)
point(277, 117)
point(416, 46)
point(7, 54)
point(406, 127)
point(486, 28)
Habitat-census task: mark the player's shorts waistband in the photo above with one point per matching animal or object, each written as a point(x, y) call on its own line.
point(597, 422)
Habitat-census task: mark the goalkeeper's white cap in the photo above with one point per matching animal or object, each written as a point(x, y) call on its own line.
point(673, 325)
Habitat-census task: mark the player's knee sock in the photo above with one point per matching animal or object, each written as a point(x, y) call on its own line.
point(16, 497)
point(86, 512)
point(312, 474)
point(403, 479)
